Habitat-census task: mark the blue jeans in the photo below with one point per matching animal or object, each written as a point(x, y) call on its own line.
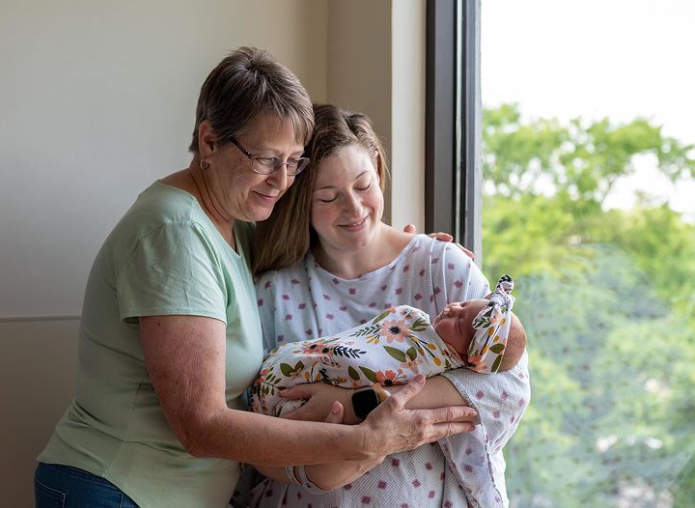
point(57, 486)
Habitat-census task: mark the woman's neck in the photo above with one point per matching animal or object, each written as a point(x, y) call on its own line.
point(384, 247)
point(193, 181)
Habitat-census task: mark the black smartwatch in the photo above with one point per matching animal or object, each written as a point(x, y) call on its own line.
point(364, 401)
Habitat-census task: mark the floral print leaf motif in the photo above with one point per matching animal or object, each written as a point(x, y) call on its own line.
point(348, 352)
point(396, 353)
point(412, 353)
point(367, 330)
point(353, 373)
point(381, 316)
point(287, 369)
point(496, 364)
point(497, 348)
point(419, 325)
point(369, 373)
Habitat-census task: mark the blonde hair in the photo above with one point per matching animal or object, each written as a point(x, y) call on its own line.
point(247, 83)
point(284, 239)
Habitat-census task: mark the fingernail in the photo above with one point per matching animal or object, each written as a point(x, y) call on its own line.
point(419, 379)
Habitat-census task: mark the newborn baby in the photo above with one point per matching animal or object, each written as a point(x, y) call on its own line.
point(482, 335)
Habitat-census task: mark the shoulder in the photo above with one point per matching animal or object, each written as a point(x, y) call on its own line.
point(295, 275)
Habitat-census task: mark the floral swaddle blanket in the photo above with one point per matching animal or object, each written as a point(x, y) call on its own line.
point(392, 349)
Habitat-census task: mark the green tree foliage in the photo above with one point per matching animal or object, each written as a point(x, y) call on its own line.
point(607, 298)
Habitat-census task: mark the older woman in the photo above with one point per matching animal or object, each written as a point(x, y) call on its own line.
point(347, 266)
point(170, 336)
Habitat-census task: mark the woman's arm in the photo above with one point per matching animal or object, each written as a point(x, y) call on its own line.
point(326, 476)
point(438, 392)
point(185, 358)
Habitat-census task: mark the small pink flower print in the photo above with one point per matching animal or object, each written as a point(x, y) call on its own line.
point(504, 395)
point(308, 331)
point(416, 483)
point(280, 338)
point(315, 348)
point(468, 468)
point(496, 415)
point(260, 302)
point(431, 494)
point(301, 306)
point(437, 290)
point(267, 284)
point(429, 466)
point(479, 395)
point(366, 500)
point(326, 297)
point(458, 284)
point(352, 291)
point(418, 297)
point(435, 260)
point(348, 486)
point(390, 377)
point(394, 329)
point(469, 451)
point(383, 288)
point(295, 281)
point(329, 316)
point(450, 266)
point(398, 291)
point(336, 281)
point(387, 305)
point(343, 308)
point(285, 297)
point(421, 273)
point(372, 304)
point(382, 484)
point(288, 317)
point(521, 402)
point(395, 462)
point(406, 268)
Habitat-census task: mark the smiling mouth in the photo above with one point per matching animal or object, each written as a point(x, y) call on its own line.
point(354, 224)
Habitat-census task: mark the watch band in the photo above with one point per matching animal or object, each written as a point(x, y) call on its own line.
point(364, 401)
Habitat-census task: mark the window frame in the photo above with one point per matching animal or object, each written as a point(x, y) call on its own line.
point(453, 122)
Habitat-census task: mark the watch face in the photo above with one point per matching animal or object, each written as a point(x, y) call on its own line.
point(364, 401)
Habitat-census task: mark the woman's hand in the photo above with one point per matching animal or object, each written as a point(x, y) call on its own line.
point(320, 398)
point(442, 237)
point(392, 428)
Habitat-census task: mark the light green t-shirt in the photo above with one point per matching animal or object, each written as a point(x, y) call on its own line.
point(164, 257)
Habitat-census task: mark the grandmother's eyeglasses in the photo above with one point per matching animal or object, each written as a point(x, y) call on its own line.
point(269, 165)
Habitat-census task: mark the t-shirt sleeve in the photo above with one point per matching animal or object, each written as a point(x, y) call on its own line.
point(173, 270)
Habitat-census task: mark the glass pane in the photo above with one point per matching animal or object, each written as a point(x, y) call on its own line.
point(589, 203)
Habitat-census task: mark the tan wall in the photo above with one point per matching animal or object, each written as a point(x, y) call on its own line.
point(97, 102)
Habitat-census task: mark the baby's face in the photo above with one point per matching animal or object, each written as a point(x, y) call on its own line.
point(455, 323)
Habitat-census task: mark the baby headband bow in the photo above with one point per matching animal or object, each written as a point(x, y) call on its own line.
point(492, 325)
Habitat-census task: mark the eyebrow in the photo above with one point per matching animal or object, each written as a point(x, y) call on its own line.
point(327, 187)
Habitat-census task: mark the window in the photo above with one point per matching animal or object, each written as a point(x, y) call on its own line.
point(587, 202)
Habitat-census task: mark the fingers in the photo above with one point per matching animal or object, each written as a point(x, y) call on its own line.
point(336, 414)
point(410, 228)
point(467, 252)
point(442, 237)
point(303, 391)
point(449, 429)
point(409, 391)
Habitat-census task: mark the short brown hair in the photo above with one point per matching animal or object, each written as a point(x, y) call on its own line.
point(286, 237)
point(247, 83)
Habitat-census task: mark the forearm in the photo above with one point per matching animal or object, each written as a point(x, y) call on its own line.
point(338, 474)
point(259, 439)
point(325, 476)
point(438, 392)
